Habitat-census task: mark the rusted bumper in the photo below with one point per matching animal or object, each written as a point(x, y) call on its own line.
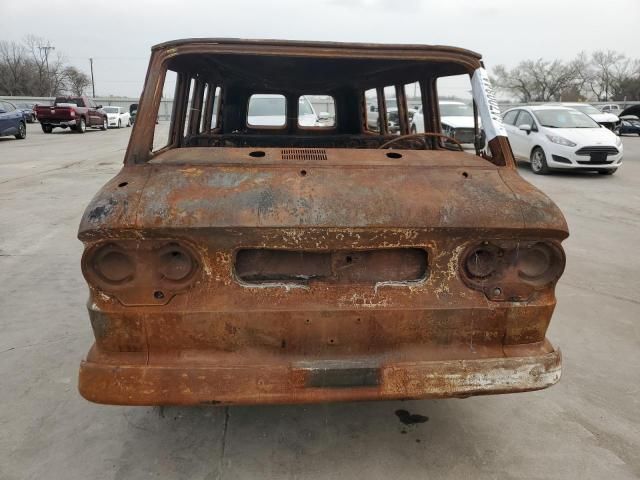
point(309, 381)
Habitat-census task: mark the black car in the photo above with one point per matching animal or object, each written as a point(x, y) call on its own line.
point(28, 111)
point(12, 121)
point(133, 112)
point(630, 125)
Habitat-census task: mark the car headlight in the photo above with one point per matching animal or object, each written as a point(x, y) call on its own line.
point(561, 140)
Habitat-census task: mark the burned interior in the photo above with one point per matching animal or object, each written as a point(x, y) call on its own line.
point(265, 253)
point(214, 92)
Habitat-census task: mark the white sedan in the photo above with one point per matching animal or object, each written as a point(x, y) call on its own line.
point(117, 117)
point(554, 137)
point(456, 119)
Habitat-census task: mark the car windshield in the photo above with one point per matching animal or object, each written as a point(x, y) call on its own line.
point(77, 101)
point(564, 118)
point(588, 109)
point(110, 109)
point(455, 110)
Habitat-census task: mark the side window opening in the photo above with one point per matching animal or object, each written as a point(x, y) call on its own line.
point(202, 123)
point(393, 117)
point(525, 119)
point(414, 107)
point(372, 114)
point(215, 114)
point(267, 111)
point(510, 117)
point(189, 113)
point(316, 111)
point(168, 105)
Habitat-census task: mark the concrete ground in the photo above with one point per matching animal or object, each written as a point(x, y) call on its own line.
point(587, 426)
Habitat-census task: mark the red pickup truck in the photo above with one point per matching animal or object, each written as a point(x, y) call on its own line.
point(76, 113)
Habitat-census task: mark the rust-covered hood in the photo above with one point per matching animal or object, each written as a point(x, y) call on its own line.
point(225, 188)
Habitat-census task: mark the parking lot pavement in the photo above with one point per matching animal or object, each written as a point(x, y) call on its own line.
point(585, 427)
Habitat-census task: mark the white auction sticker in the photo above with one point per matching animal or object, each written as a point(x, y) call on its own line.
point(487, 105)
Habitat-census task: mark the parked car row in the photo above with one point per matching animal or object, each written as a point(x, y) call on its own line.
point(74, 112)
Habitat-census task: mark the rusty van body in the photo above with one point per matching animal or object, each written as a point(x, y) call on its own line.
point(244, 263)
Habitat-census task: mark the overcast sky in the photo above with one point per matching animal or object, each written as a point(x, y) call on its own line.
point(118, 34)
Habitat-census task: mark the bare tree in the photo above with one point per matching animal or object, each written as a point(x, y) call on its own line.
point(39, 56)
point(606, 71)
point(536, 80)
point(13, 68)
point(76, 81)
point(602, 75)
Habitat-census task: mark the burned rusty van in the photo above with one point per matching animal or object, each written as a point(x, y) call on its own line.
point(246, 256)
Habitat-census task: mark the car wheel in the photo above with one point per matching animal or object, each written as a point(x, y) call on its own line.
point(46, 128)
point(81, 127)
point(608, 172)
point(129, 123)
point(22, 131)
point(105, 124)
point(539, 162)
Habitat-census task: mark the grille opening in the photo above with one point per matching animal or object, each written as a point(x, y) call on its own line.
point(597, 149)
point(261, 266)
point(304, 154)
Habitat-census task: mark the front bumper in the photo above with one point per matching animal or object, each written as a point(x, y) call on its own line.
point(561, 157)
point(111, 381)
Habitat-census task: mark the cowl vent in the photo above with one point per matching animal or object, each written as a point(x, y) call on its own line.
point(304, 154)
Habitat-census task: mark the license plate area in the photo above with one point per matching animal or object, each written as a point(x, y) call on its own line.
point(599, 157)
point(337, 374)
point(261, 266)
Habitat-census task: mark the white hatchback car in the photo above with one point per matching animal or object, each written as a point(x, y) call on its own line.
point(554, 137)
point(117, 116)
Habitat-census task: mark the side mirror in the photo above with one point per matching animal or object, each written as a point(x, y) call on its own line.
point(526, 127)
point(99, 106)
point(324, 116)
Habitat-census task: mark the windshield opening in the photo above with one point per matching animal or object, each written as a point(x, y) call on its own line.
point(110, 109)
point(564, 118)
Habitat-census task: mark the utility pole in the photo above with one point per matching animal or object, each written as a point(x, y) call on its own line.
point(93, 85)
point(46, 59)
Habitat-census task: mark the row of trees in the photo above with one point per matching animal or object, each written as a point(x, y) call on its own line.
point(32, 68)
point(602, 76)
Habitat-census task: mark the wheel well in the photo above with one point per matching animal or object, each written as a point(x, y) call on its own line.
point(536, 146)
